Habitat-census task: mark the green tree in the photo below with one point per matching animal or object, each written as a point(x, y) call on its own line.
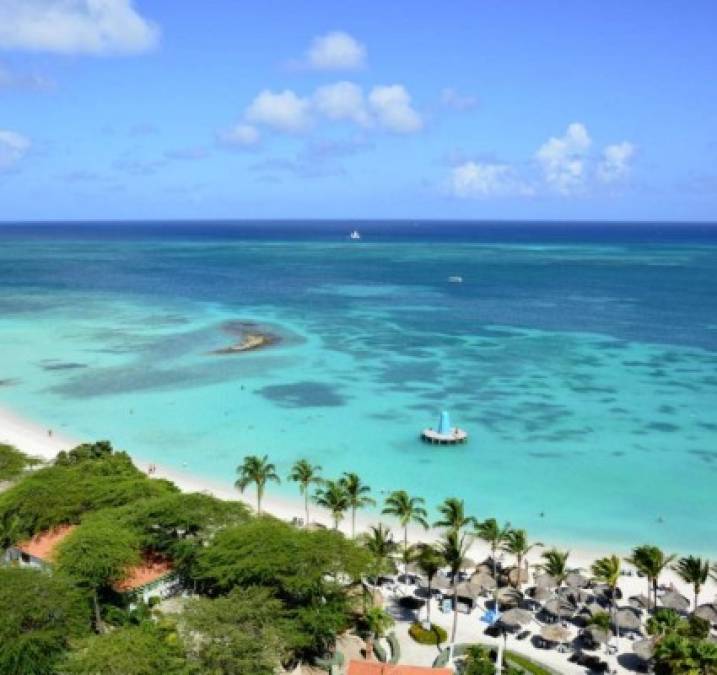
point(556, 564)
point(39, 615)
point(454, 547)
point(64, 493)
point(694, 571)
point(97, 555)
point(495, 536)
point(13, 462)
point(240, 633)
point(453, 515)
point(478, 661)
point(651, 562)
point(379, 541)
point(85, 452)
point(407, 509)
point(305, 474)
point(358, 496)
point(332, 496)
point(679, 655)
point(131, 650)
point(378, 621)
point(429, 560)
point(516, 543)
point(663, 622)
point(607, 571)
point(259, 471)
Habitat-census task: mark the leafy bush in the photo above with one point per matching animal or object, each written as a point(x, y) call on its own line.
point(525, 664)
point(13, 462)
point(434, 636)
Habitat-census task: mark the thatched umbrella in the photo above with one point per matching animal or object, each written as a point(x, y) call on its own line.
point(644, 648)
point(483, 581)
point(559, 607)
point(414, 569)
point(466, 590)
point(516, 575)
point(639, 601)
point(597, 634)
point(467, 564)
point(515, 618)
point(555, 633)
point(540, 593)
point(545, 580)
point(627, 618)
point(577, 580)
point(508, 597)
point(707, 612)
point(573, 594)
point(485, 567)
point(675, 600)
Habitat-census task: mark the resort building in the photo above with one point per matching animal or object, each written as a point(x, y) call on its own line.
point(154, 577)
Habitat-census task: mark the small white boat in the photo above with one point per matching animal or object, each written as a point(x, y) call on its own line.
point(455, 280)
point(355, 235)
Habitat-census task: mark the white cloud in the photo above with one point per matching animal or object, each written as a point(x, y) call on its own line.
point(451, 98)
point(284, 111)
point(392, 107)
point(342, 101)
point(483, 179)
point(75, 27)
point(13, 147)
point(615, 162)
point(563, 159)
point(336, 51)
point(241, 135)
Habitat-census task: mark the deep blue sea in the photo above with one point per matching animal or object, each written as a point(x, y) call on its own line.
point(580, 357)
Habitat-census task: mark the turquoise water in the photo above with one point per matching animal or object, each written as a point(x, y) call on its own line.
point(583, 366)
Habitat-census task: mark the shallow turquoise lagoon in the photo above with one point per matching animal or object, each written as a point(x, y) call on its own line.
point(585, 371)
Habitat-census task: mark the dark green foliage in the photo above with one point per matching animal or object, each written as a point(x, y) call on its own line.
point(178, 525)
point(85, 452)
point(13, 462)
point(134, 650)
point(435, 636)
point(478, 661)
point(243, 632)
point(63, 493)
point(679, 655)
point(39, 614)
point(301, 567)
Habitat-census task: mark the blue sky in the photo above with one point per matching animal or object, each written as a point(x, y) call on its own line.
point(483, 109)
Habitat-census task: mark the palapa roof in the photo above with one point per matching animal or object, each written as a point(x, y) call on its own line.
point(627, 618)
point(378, 668)
point(639, 601)
point(545, 580)
point(674, 600)
point(483, 580)
point(516, 617)
point(508, 596)
point(708, 612)
point(597, 634)
point(560, 607)
point(644, 648)
point(577, 580)
point(555, 633)
point(43, 546)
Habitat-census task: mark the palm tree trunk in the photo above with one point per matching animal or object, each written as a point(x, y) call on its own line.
point(99, 626)
point(519, 579)
point(428, 603)
point(369, 647)
point(259, 492)
point(455, 613)
point(353, 523)
point(654, 593)
point(306, 505)
point(405, 550)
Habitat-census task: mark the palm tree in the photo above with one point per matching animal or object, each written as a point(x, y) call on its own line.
point(379, 541)
point(495, 536)
point(358, 496)
point(663, 622)
point(650, 561)
point(378, 621)
point(407, 509)
point(453, 515)
point(516, 543)
point(453, 548)
point(695, 571)
point(304, 473)
point(429, 560)
point(556, 565)
point(332, 496)
point(607, 571)
point(257, 470)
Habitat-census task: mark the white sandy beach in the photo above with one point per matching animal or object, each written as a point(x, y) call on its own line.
point(34, 439)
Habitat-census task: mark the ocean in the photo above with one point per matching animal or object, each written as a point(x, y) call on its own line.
point(580, 357)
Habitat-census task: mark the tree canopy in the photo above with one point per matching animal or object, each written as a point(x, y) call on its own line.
point(13, 462)
point(40, 614)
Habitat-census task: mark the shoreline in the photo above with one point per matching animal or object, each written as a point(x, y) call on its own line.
point(34, 439)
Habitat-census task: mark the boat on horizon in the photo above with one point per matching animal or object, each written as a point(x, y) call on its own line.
point(355, 235)
point(455, 280)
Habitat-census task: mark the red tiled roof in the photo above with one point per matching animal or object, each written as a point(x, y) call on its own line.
point(149, 571)
point(378, 668)
point(43, 545)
